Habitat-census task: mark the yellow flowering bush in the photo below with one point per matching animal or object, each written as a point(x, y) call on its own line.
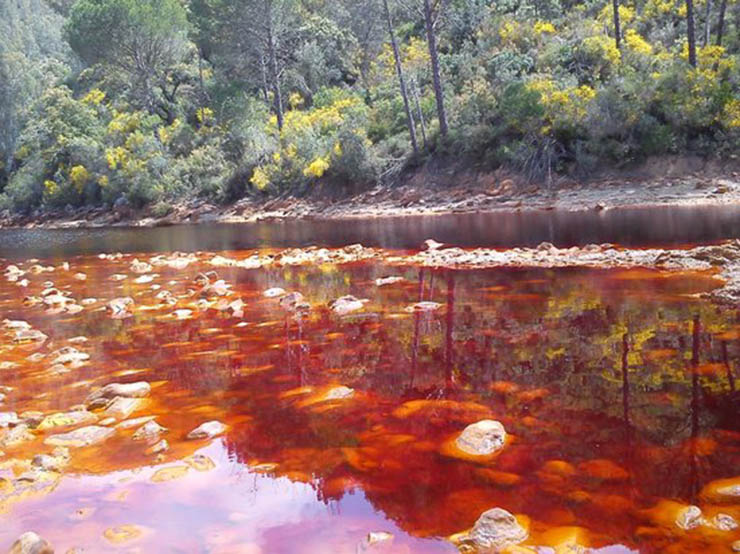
point(544, 27)
point(312, 141)
point(637, 43)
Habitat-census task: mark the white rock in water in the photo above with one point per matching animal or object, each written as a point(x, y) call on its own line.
point(346, 305)
point(150, 430)
point(383, 281)
point(424, 306)
point(207, 430)
point(139, 389)
point(373, 539)
point(482, 438)
point(273, 292)
point(690, 518)
point(8, 418)
point(84, 436)
point(495, 530)
point(339, 393)
point(31, 543)
point(122, 408)
point(724, 522)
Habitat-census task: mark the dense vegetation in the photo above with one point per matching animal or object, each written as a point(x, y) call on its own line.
point(154, 100)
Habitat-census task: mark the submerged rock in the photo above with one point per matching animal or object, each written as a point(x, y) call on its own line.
point(84, 436)
point(120, 308)
point(207, 430)
point(385, 281)
point(339, 393)
point(161, 446)
point(482, 438)
point(273, 292)
point(495, 530)
point(347, 304)
point(31, 543)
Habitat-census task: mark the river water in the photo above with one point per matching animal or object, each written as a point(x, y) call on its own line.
point(634, 227)
point(617, 389)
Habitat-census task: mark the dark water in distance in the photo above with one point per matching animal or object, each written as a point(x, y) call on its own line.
point(661, 226)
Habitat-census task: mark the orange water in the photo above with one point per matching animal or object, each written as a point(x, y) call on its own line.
point(618, 388)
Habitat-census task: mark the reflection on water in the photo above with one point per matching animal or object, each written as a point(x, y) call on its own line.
point(626, 226)
point(618, 388)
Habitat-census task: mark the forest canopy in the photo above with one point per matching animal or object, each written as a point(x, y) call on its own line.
point(151, 101)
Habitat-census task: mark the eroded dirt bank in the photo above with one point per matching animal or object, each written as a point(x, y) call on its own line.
point(427, 191)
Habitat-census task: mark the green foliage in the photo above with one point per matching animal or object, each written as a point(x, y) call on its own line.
point(158, 100)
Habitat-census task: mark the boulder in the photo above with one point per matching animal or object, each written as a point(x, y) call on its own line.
point(121, 407)
point(207, 430)
point(273, 292)
point(100, 397)
point(690, 518)
point(15, 436)
point(373, 540)
point(149, 431)
point(66, 419)
point(724, 522)
point(84, 436)
point(482, 438)
point(8, 419)
point(347, 304)
point(495, 530)
point(31, 543)
point(385, 281)
point(339, 393)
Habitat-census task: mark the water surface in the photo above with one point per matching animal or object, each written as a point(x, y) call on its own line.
point(618, 388)
point(636, 227)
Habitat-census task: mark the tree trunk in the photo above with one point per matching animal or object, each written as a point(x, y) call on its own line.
point(690, 32)
point(721, 21)
point(617, 26)
point(423, 126)
point(707, 23)
point(436, 79)
point(401, 81)
point(274, 73)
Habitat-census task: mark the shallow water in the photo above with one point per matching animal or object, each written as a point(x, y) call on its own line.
point(617, 388)
point(635, 227)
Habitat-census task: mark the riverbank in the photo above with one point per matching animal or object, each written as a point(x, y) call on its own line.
point(428, 191)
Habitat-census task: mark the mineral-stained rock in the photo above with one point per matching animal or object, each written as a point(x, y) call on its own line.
point(690, 518)
point(736, 546)
point(200, 462)
point(120, 308)
point(724, 522)
point(347, 304)
point(482, 438)
point(15, 436)
point(122, 533)
point(425, 306)
point(56, 461)
point(207, 430)
point(101, 396)
point(136, 422)
point(161, 446)
point(339, 393)
point(149, 431)
point(169, 473)
point(273, 292)
point(495, 530)
point(121, 407)
point(392, 280)
point(722, 490)
point(32, 418)
point(31, 543)
point(8, 419)
point(84, 436)
point(66, 419)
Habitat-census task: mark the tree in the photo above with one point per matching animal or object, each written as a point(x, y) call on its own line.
point(617, 27)
point(721, 21)
point(142, 38)
point(690, 35)
point(434, 57)
point(401, 81)
point(258, 37)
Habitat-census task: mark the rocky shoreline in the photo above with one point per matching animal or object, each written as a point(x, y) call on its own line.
point(423, 195)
